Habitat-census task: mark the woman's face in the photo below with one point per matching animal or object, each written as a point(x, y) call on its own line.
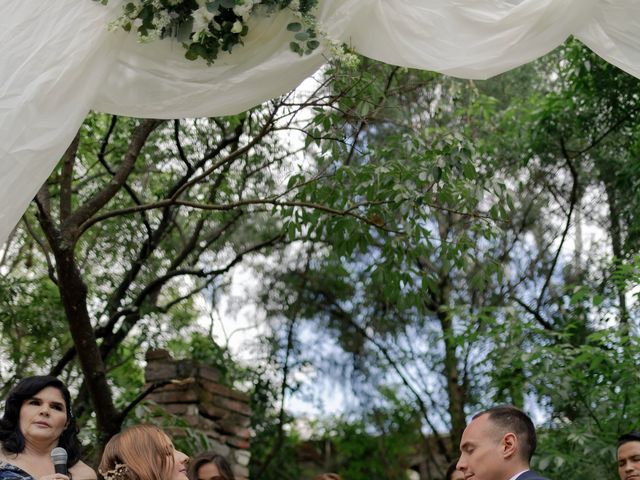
point(457, 475)
point(43, 417)
point(209, 471)
point(180, 461)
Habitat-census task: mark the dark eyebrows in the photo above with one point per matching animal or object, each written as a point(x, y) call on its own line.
point(54, 403)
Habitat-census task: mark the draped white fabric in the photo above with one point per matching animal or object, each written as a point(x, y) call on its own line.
point(58, 61)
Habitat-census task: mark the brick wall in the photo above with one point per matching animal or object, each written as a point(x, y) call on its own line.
point(194, 394)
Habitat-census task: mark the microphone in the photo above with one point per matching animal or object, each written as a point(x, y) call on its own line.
point(59, 457)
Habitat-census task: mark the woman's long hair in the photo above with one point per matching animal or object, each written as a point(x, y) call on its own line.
point(10, 434)
point(209, 457)
point(141, 452)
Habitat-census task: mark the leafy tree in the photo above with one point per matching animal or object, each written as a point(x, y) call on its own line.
point(432, 229)
point(479, 286)
point(142, 215)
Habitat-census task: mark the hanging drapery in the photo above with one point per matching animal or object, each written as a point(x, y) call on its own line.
point(58, 61)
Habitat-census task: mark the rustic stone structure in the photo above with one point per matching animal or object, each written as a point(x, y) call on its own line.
point(191, 390)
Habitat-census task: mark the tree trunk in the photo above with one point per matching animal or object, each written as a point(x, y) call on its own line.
point(74, 298)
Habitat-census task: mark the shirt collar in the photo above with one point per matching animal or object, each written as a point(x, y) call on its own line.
point(518, 474)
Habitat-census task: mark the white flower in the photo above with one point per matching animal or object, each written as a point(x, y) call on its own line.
point(201, 19)
point(162, 20)
point(295, 5)
point(118, 23)
point(237, 27)
point(151, 36)
point(337, 50)
point(244, 10)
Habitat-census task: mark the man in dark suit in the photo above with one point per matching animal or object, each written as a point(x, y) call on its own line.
point(498, 445)
point(629, 456)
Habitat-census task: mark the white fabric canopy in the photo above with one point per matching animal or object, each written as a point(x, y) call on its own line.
point(58, 61)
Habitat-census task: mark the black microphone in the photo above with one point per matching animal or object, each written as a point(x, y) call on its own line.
point(59, 457)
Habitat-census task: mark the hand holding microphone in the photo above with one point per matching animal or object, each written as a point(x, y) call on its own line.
point(59, 458)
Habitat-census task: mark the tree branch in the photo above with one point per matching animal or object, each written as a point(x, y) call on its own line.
point(573, 198)
point(100, 199)
point(151, 388)
point(68, 159)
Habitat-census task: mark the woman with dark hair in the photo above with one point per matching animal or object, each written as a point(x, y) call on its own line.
point(142, 452)
point(37, 418)
point(210, 466)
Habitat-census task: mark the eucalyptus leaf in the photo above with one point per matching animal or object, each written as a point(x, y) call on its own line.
point(184, 30)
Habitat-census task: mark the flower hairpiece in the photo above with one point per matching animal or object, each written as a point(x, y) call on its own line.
point(119, 472)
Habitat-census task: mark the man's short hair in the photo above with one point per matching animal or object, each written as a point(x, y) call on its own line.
point(628, 437)
point(511, 419)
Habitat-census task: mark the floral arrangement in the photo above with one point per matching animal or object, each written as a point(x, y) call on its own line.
point(206, 27)
point(119, 472)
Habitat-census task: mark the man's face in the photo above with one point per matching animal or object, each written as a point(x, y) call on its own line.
point(629, 461)
point(481, 453)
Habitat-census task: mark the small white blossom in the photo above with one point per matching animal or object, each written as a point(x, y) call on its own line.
point(244, 10)
point(201, 19)
point(338, 51)
point(237, 27)
point(162, 20)
point(118, 23)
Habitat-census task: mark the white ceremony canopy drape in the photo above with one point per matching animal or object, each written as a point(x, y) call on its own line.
point(58, 61)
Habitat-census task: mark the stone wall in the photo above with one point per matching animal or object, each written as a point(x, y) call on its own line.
point(193, 393)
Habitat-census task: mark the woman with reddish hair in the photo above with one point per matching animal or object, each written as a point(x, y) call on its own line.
point(143, 452)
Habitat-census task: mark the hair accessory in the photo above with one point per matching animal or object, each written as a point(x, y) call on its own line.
point(119, 472)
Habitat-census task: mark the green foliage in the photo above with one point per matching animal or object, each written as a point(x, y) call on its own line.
point(592, 388)
point(33, 330)
point(275, 443)
point(380, 445)
point(377, 444)
point(463, 191)
point(201, 347)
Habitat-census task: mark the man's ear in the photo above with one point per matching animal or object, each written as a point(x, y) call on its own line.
point(509, 445)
